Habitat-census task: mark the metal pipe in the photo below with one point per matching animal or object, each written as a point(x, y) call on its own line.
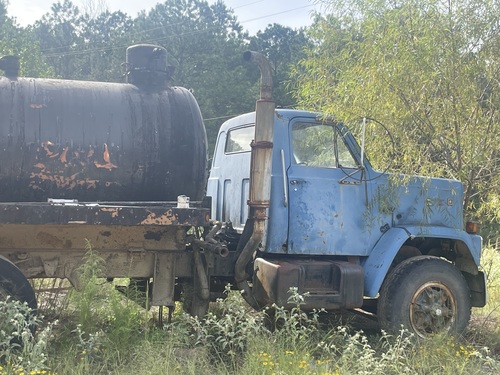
point(260, 173)
point(217, 225)
point(266, 77)
point(204, 291)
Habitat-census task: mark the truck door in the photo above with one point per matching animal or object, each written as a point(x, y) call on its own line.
point(327, 211)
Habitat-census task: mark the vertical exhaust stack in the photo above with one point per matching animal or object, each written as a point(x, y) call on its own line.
point(260, 173)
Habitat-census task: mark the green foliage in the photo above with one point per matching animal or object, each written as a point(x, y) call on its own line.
point(205, 44)
point(96, 301)
point(294, 327)
point(15, 40)
point(90, 293)
point(283, 47)
point(428, 71)
point(487, 330)
point(82, 45)
point(3, 12)
point(234, 340)
point(226, 330)
point(20, 350)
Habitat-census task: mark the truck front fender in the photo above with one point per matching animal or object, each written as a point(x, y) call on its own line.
point(473, 242)
point(380, 259)
point(378, 262)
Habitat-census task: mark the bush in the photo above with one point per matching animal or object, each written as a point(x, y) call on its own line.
point(20, 350)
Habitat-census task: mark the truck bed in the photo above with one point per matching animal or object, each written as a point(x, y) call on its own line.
point(50, 239)
point(62, 212)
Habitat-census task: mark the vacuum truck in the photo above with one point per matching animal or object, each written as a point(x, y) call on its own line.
point(291, 201)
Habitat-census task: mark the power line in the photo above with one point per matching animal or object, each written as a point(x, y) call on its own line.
point(152, 29)
point(104, 48)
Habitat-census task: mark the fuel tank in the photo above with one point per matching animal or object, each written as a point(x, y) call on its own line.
point(96, 141)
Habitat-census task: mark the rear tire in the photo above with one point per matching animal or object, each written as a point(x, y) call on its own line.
point(426, 295)
point(13, 283)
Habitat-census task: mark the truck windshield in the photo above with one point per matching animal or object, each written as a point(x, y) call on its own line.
point(320, 145)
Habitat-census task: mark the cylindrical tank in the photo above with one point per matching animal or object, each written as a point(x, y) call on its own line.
point(96, 141)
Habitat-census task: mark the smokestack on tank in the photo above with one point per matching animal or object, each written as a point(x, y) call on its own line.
point(10, 65)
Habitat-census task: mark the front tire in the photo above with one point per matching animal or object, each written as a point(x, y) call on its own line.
point(426, 295)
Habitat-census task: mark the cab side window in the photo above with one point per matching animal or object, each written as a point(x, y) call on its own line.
point(320, 145)
point(239, 139)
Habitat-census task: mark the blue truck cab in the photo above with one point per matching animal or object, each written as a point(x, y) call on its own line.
point(348, 236)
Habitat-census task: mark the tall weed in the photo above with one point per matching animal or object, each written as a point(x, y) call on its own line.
point(225, 331)
point(20, 350)
point(233, 339)
point(107, 322)
point(484, 327)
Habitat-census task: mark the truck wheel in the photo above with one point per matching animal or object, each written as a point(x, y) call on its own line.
point(13, 283)
point(426, 295)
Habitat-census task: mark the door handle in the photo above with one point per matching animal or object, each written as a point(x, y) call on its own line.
point(296, 182)
point(349, 182)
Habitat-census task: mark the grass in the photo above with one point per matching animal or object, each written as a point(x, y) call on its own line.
point(485, 323)
point(100, 331)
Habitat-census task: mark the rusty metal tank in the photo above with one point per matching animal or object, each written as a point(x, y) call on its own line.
point(94, 141)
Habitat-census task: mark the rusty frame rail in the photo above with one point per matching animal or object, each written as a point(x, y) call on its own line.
point(140, 213)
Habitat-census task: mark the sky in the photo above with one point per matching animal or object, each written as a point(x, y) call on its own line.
point(253, 15)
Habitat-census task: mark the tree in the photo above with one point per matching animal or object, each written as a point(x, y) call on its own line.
point(284, 47)
point(93, 8)
point(15, 40)
point(106, 37)
point(3, 12)
point(58, 33)
point(429, 71)
point(88, 45)
point(205, 44)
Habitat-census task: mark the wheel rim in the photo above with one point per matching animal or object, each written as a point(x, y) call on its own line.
point(433, 309)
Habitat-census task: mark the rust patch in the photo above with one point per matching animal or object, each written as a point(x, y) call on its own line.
point(70, 168)
point(109, 166)
point(45, 146)
point(88, 183)
point(62, 158)
point(152, 219)
point(49, 239)
point(114, 211)
point(60, 181)
point(106, 154)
